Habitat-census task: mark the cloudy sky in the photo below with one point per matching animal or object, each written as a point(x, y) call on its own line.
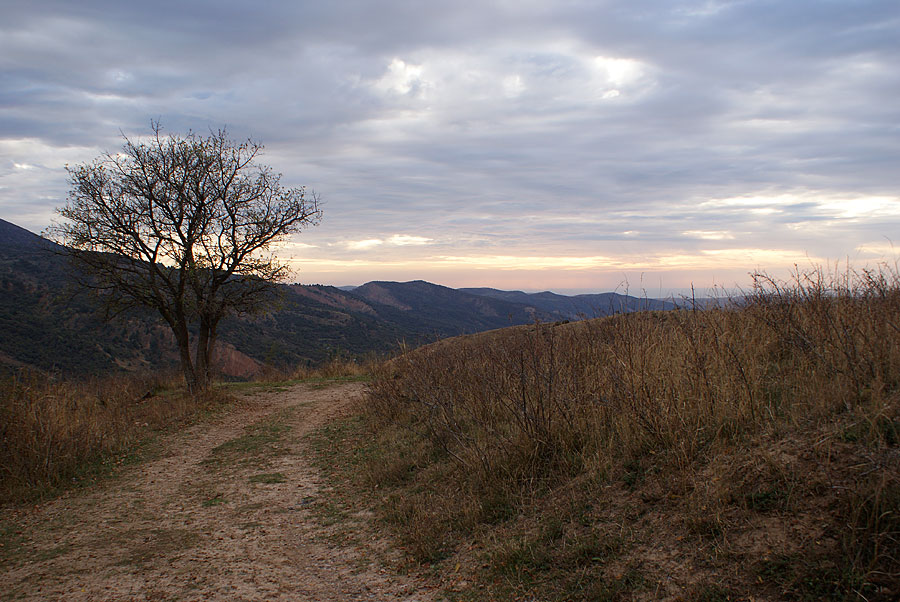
point(532, 144)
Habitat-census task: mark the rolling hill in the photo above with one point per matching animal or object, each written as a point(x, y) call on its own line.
point(48, 324)
point(575, 307)
point(446, 311)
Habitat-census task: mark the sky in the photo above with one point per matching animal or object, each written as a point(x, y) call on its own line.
point(565, 145)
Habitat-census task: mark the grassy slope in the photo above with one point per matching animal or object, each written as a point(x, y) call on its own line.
point(725, 454)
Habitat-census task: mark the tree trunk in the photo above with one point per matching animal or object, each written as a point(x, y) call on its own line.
point(206, 341)
point(182, 337)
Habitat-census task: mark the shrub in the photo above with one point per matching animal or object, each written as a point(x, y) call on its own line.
point(523, 410)
point(52, 430)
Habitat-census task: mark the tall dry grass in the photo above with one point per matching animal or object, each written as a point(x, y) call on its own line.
point(53, 432)
point(672, 382)
point(521, 410)
point(338, 366)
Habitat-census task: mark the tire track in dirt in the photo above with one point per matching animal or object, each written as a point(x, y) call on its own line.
point(228, 513)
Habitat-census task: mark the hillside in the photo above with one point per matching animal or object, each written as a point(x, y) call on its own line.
point(49, 324)
point(742, 453)
point(445, 311)
point(45, 324)
point(576, 307)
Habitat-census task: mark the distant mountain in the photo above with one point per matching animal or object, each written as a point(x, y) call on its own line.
point(44, 324)
point(313, 323)
point(575, 307)
point(16, 239)
point(442, 310)
point(48, 323)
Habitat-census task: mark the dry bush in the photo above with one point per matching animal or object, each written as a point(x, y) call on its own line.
point(336, 367)
point(51, 430)
point(558, 395)
point(522, 410)
point(339, 366)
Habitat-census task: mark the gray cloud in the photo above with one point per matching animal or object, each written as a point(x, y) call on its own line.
point(489, 128)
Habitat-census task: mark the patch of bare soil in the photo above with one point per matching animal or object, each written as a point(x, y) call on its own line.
point(232, 511)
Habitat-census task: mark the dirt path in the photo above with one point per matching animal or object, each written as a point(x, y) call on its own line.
point(232, 511)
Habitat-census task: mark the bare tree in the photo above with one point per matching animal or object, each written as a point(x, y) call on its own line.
point(185, 226)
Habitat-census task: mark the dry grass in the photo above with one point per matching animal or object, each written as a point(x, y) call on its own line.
point(338, 367)
point(54, 434)
point(763, 434)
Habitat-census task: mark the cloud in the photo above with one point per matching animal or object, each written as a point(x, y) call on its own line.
point(489, 129)
point(403, 240)
point(880, 250)
point(395, 240)
point(708, 234)
point(528, 263)
point(403, 79)
point(866, 208)
point(364, 245)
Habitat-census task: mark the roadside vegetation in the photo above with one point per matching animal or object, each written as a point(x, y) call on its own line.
point(56, 434)
point(747, 450)
point(750, 449)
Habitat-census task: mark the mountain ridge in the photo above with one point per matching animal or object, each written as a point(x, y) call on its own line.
point(48, 324)
point(576, 307)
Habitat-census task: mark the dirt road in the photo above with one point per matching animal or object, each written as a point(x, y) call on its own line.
point(233, 510)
